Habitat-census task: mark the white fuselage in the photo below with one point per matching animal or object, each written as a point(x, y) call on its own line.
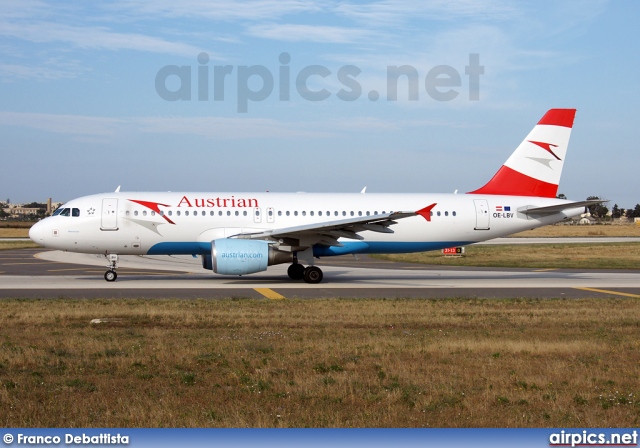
point(186, 223)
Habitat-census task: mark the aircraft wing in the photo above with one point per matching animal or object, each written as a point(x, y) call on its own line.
point(328, 232)
point(551, 209)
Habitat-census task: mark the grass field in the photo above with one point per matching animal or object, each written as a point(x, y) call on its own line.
point(546, 256)
point(6, 245)
point(581, 231)
point(320, 363)
point(14, 233)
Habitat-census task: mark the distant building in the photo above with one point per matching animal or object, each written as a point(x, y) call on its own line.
point(18, 211)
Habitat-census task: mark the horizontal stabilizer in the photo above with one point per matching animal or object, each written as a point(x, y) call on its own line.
point(551, 209)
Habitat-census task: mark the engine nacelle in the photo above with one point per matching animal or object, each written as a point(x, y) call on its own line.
point(240, 257)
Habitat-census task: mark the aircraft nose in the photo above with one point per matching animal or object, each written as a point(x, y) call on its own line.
point(36, 233)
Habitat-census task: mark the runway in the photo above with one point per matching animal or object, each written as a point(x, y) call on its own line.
point(34, 273)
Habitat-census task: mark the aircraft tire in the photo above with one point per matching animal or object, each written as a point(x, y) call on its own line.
point(110, 276)
point(296, 271)
point(313, 274)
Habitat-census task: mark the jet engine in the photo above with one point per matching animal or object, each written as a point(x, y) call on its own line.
point(240, 257)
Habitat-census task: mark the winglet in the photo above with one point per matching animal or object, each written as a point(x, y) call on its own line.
point(426, 212)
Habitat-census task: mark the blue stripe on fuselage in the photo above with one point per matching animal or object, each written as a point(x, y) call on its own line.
point(185, 248)
point(351, 247)
point(374, 247)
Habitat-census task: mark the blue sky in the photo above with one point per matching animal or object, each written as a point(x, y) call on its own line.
point(80, 112)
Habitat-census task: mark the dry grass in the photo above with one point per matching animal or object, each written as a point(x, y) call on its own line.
point(16, 224)
point(14, 233)
point(6, 245)
point(320, 363)
point(617, 230)
point(560, 256)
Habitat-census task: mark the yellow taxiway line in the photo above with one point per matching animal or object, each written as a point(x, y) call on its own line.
point(604, 291)
point(269, 293)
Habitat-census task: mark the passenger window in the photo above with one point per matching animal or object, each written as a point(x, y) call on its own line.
point(178, 213)
point(228, 213)
point(359, 213)
point(161, 213)
point(352, 213)
point(170, 213)
point(244, 213)
point(287, 212)
point(344, 213)
point(438, 213)
point(237, 213)
point(75, 212)
point(270, 213)
point(453, 213)
point(144, 213)
point(153, 213)
point(279, 213)
point(135, 213)
point(295, 213)
point(127, 213)
point(446, 213)
point(311, 213)
point(304, 213)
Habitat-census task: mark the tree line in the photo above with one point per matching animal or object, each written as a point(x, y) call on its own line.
point(600, 211)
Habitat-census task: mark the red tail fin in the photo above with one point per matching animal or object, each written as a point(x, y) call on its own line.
point(535, 167)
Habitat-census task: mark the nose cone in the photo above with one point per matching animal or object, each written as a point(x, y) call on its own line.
point(36, 233)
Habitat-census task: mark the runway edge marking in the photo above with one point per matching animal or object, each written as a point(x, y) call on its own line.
point(605, 291)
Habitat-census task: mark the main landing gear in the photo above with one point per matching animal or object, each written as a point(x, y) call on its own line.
point(310, 274)
point(111, 274)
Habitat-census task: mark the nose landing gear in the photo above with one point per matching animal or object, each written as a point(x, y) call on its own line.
point(111, 274)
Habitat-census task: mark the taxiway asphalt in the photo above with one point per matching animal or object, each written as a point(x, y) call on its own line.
point(38, 273)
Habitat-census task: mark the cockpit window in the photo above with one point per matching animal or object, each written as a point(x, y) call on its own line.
point(65, 212)
point(57, 212)
point(75, 212)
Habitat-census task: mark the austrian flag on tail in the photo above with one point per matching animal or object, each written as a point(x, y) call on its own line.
point(535, 167)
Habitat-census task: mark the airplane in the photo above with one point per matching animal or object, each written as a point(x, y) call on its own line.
point(244, 233)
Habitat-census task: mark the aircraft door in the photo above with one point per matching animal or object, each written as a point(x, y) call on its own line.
point(109, 214)
point(482, 214)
